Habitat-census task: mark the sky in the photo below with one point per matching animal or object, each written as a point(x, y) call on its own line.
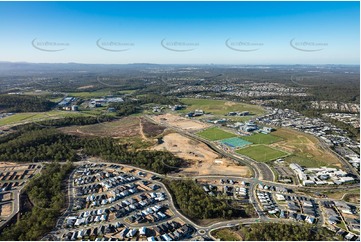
point(181, 32)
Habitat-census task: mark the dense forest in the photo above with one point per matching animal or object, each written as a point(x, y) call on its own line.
point(23, 103)
point(48, 144)
point(46, 192)
point(39, 145)
point(285, 232)
point(195, 203)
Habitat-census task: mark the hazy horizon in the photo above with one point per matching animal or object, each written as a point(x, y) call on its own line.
point(190, 33)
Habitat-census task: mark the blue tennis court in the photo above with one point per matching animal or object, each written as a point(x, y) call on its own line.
point(235, 142)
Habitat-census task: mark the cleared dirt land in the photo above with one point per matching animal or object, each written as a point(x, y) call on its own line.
point(204, 161)
point(123, 128)
point(180, 122)
point(9, 166)
point(126, 127)
point(305, 148)
point(6, 209)
point(5, 196)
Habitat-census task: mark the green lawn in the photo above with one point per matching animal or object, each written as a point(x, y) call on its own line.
point(98, 94)
point(215, 134)
point(95, 94)
point(305, 149)
point(261, 153)
point(220, 107)
point(307, 162)
point(33, 117)
point(262, 138)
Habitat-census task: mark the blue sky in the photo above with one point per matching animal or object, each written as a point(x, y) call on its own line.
point(181, 32)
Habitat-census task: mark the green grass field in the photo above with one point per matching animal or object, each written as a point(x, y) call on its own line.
point(307, 162)
point(33, 117)
point(305, 149)
point(126, 91)
point(226, 234)
point(220, 107)
point(261, 153)
point(95, 94)
point(262, 138)
point(98, 94)
point(215, 134)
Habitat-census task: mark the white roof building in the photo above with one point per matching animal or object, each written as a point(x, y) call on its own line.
point(280, 197)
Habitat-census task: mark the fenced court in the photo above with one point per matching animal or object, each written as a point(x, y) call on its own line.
point(235, 142)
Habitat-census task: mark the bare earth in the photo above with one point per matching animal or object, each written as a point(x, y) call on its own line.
point(9, 166)
point(125, 127)
point(5, 209)
point(5, 197)
point(85, 87)
point(180, 122)
point(230, 104)
point(204, 161)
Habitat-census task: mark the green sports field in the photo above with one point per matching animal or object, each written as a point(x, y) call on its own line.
point(261, 153)
point(215, 134)
point(262, 138)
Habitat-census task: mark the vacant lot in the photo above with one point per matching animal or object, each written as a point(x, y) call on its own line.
point(352, 195)
point(262, 138)
point(10, 166)
point(220, 107)
point(180, 122)
point(202, 160)
point(305, 148)
point(125, 127)
point(6, 209)
point(261, 153)
point(150, 129)
point(5, 196)
point(227, 234)
point(215, 134)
